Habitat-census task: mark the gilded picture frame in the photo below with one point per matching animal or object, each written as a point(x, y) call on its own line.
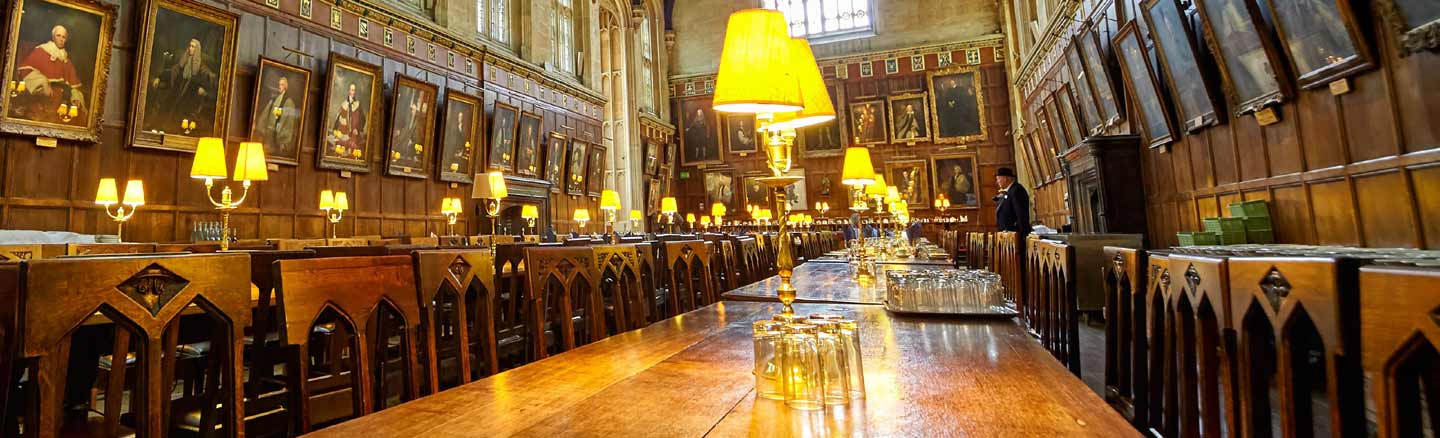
point(556, 147)
point(347, 133)
point(575, 158)
point(275, 119)
point(1069, 113)
point(753, 191)
point(907, 125)
point(955, 93)
point(957, 176)
point(905, 173)
point(503, 122)
point(527, 144)
point(1413, 34)
point(1154, 116)
point(1194, 97)
point(30, 111)
point(740, 136)
point(826, 139)
point(1250, 76)
point(460, 139)
point(1102, 78)
point(1085, 104)
point(174, 92)
point(595, 171)
point(868, 122)
point(700, 139)
point(411, 140)
point(1296, 20)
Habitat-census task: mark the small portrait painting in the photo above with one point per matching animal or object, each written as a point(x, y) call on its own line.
point(740, 135)
point(595, 171)
point(652, 157)
point(527, 145)
point(412, 127)
point(1105, 96)
point(795, 198)
point(1154, 120)
point(825, 139)
point(699, 136)
point(756, 193)
point(1170, 31)
point(57, 68)
point(867, 121)
point(502, 137)
point(912, 181)
point(555, 160)
point(955, 177)
point(1243, 53)
point(720, 187)
point(957, 104)
point(652, 198)
point(351, 103)
point(460, 137)
point(278, 110)
point(908, 123)
point(1318, 38)
point(575, 169)
point(186, 60)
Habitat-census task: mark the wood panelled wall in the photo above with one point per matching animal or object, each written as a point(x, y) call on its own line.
point(992, 153)
point(1359, 168)
point(54, 188)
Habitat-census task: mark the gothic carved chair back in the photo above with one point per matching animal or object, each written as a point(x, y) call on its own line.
point(750, 260)
point(1401, 331)
point(1058, 320)
point(651, 287)
point(622, 296)
point(262, 349)
point(352, 322)
point(1151, 397)
point(457, 300)
point(689, 265)
point(1124, 278)
point(512, 304)
point(15, 253)
point(1203, 338)
point(1298, 331)
point(1008, 263)
point(139, 302)
point(563, 290)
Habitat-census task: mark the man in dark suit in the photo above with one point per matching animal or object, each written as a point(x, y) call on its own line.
point(1012, 211)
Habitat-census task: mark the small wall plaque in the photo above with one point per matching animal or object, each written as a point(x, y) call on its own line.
point(1339, 87)
point(46, 142)
point(1267, 117)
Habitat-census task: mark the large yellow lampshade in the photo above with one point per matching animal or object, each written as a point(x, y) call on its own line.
point(892, 194)
point(753, 75)
point(456, 206)
point(582, 215)
point(858, 170)
point(342, 202)
point(705, 220)
point(446, 206)
point(489, 186)
point(667, 205)
point(764, 214)
point(107, 194)
point(878, 188)
point(327, 200)
point(690, 217)
point(209, 159)
point(250, 162)
point(636, 215)
point(134, 193)
point(813, 96)
point(529, 212)
point(609, 200)
point(718, 210)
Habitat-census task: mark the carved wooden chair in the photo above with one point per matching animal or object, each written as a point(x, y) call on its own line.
point(76, 249)
point(652, 280)
point(512, 319)
point(621, 293)
point(1124, 331)
point(750, 260)
point(457, 299)
point(352, 322)
point(1204, 343)
point(1298, 332)
point(1400, 334)
point(689, 267)
point(1156, 392)
point(144, 299)
point(563, 290)
point(269, 414)
point(10, 316)
point(1059, 320)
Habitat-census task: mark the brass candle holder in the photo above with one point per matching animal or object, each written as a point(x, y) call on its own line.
point(451, 208)
point(609, 205)
point(530, 213)
point(490, 189)
point(210, 165)
point(107, 196)
point(334, 205)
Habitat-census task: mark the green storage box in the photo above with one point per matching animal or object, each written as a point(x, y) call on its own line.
point(1224, 224)
point(1257, 223)
point(1262, 236)
point(1250, 209)
point(1197, 238)
point(1233, 238)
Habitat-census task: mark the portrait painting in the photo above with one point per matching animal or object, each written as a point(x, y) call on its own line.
point(1105, 97)
point(1191, 90)
point(352, 101)
point(868, 122)
point(186, 61)
point(699, 132)
point(1154, 121)
point(666, 177)
point(1066, 105)
point(595, 171)
point(460, 137)
point(652, 197)
point(825, 139)
point(956, 178)
point(278, 110)
point(912, 180)
point(1414, 23)
point(908, 123)
point(720, 187)
point(502, 137)
point(555, 149)
point(672, 153)
point(527, 145)
point(1244, 54)
point(740, 135)
point(412, 127)
point(575, 168)
point(756, 193)
point(1322, 39)
point(652, 157)
point(795, 198)
point(1057, 126)
point(957, 104)
point(1084, 96)
point(57, 67)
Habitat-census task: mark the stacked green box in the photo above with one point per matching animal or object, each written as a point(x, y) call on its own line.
point(1198, 238)
point(1229, 230)
point(1255, 216)
point(1249, 209)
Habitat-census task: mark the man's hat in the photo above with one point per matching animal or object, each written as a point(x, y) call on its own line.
point(1006, 171)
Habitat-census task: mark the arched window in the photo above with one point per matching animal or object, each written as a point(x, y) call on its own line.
point(565, 35)
point(825, 18)
point(647, 66)
point(492, 20)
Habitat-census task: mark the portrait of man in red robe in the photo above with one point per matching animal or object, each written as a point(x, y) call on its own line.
point(50, 80)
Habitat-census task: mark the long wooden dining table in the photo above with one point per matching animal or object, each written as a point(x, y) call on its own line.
point(691, 376)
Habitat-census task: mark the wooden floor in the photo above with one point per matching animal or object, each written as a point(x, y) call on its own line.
point(690, 376)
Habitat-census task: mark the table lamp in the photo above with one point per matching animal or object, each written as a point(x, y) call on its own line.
point(690, 218)
point(106, 195)
point(877, 192)
point(858, 173)
point(451, 208)
point(530, 213)
point(209, 165)
point(718, 210)
point(582, 216)
point(635, 218)
point(491, 189)
point(334, 204)
point(609, 205)
point(705, 222)
point(668, 208)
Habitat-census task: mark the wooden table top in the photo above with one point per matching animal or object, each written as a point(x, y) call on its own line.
point(690, 376)
point(825, 283)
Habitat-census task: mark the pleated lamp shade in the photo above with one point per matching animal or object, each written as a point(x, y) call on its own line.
point(815, 99)
point(753, 75)
point(209, 159)
point(857, 169)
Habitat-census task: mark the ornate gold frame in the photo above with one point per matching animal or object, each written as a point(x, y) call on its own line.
point(1409, 40)
point(556, 140)
point(361, 165)
point(1362, 61)
point(569, 162)
point(974, 178)
point(304, 107)
point(477, 141)
point(1131, 30)
point(979, 104)
point(98, 83)
point(1190, 122)
point(841, 126)
point(1241, 106)
point(884, 130)
point(505, 164)
point(596, 157)
point(181, 142)
point(924, 116)
point(926, 194)
point(539, 125)
point(680, 131)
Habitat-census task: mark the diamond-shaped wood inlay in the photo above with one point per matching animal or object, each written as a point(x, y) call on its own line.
point(459, 267)
point(1276, 288)
point(153, 287)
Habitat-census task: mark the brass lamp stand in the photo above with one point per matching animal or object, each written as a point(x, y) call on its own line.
point(778, 158)
point(210, 165)
point(107, 196)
